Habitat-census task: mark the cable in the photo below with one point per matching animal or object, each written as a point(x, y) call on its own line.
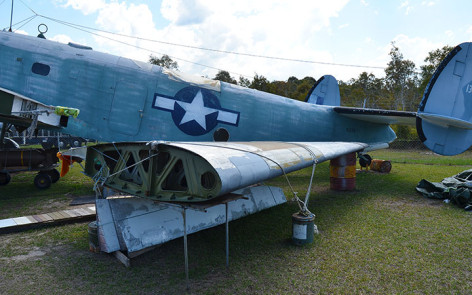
point(136, 46)
point(86, 29)
point(303, 210)
point(215, 50)
point(27, 21)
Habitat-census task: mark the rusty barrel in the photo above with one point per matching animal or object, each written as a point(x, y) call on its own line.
point(303, 228)
point(382, 166)
point(342, 171)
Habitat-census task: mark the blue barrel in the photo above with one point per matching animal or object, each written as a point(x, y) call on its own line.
point(303, 228)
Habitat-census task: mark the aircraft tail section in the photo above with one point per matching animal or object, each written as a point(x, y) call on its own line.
point(444, 118)
point(325, 92)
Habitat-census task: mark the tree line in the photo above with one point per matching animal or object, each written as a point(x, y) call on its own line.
point(401, 88)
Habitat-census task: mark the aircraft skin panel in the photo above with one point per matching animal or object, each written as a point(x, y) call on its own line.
point(199, 171)
point(174, 108)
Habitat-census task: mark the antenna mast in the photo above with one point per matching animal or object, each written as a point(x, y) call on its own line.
point(11, 16)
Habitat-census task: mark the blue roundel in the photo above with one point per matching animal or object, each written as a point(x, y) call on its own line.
point(195, 110)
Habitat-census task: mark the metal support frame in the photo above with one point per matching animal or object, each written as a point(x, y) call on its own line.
point(233, 197)
point(227, 236)
point(184, 215)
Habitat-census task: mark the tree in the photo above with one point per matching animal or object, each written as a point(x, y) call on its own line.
point(260, 83)
point(244, 82)
point(401, 80)
point(165, 61)
point(224, 76)
point(372, 91)
point(303, 88)
point(433, 60)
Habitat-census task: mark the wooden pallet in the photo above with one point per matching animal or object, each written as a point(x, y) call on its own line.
point(47, 219)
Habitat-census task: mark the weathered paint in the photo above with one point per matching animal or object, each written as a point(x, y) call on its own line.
point(133, 224)
point(125, 100)
point(193, 172)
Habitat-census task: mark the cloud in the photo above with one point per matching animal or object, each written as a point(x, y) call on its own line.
point(86, 6)
point(406, 6)
point(133, 20)
point(61, 38)
point(415, 49)
point(277, 28)
point(428, 3)
point(183, 13)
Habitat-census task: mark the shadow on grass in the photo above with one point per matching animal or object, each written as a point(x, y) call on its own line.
point(375, 239)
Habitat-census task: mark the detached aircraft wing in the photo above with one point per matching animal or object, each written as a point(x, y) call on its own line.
point(198, 171)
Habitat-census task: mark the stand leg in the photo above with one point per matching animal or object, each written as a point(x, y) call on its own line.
point(227, 237)
point(184, 214)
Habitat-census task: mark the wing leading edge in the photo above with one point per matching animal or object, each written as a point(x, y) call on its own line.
point(198, 171)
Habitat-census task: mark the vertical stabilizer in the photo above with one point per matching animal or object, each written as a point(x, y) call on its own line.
point(444, 119)
point(325, 92)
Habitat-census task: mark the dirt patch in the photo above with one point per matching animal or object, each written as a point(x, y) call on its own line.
point(35, 254)
point(401, 204)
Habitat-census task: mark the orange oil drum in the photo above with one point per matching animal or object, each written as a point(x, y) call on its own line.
point(342, 171)
point(382, 166)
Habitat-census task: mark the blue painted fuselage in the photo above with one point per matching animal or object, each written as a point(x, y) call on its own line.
point(124, 100)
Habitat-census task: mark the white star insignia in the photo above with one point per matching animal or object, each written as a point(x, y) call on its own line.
point(196, 110)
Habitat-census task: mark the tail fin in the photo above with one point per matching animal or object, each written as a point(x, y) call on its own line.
point(325, 92)
point(444, 118)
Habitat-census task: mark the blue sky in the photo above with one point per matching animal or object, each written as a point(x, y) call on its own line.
point(355, 32)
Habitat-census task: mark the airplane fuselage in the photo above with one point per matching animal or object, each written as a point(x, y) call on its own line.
point(125, 100)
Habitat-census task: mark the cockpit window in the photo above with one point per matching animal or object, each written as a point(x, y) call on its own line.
point(41, 69)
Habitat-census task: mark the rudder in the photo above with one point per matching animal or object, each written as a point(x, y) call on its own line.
point(444, 118)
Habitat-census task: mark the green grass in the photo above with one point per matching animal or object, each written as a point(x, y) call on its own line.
point(20, 197)
point(382, 238)
point(422, 157)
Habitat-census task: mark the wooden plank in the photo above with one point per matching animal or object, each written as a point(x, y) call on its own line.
point(45, 217)
point(32, 219)
point(55, 216)
point(122, 258)
point(82, 212)
point(7, 223)
point(21, 220)
point(64, 214)
point(76, 213)
point(72, 213)
point(90, 211)
point(38, 218)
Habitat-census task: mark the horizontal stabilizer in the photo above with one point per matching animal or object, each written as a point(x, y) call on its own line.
point(325, 92)
point(444, 120)
point(378, 116)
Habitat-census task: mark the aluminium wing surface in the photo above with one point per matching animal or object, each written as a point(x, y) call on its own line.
point(193, 172)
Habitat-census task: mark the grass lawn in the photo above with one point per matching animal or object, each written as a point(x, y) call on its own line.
point(382, 238)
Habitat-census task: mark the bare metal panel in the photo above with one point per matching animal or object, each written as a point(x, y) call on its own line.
point(132, 224)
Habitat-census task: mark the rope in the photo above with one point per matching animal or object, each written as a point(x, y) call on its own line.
point(303, 210)
point(99, 180)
